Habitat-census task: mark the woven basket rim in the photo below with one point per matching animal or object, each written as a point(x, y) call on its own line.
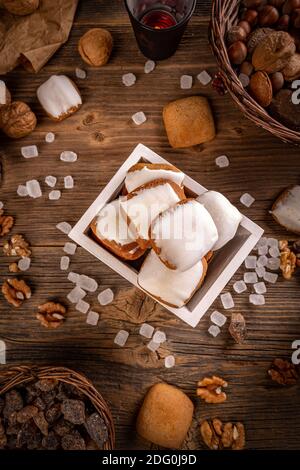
point(14, 376)
point(224, 14)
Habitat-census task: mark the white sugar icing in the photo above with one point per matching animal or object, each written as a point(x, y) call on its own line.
point(170, 286)
point(137, 178)
point(111, 225)
point(58, 95)
point(227, 218)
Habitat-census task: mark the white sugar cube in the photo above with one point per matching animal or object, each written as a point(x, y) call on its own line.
point(247, 200)
point(24, 263)
point(250, 262)
point(80, 73)
point(274, 252)
point(159, 337)
point(270, 277)
point(129, 79)
point(186, 82)
point(273, 264)
point(272, 242)
point(87, 283)
point(64, 227)
point(239, 287)
point(257, 299)
point(106, 297)
point(70, 248)
point(244, 79)
point(51, 181)
point(263, 250)
point(34, 189)
point(68, 156)
point(76, 294)
point(169, 361)
point(64, 263)
point(222, 161)
point(22, 190)
point(146, 330)
point(92, 318)
point(50, 137)
point(149, 66)
point(262, 261)
point(263, 241)
point(121, 338)
point(54, 195)
point(68, 182)
point(153, 346)
point(139, 118)
point(260, 288)
point(250, 278)
point(2, 352)
point(260, 271)
point(73, 277)
point(227, 300)
point(214, 330)
point(82, 306)
point(204, 78)
point(30, 151)
point(218, 318)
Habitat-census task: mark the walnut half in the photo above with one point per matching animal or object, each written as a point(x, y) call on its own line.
point(217, 435)
point(17, 246)
point(51, 314)
point(210, 389)
point(16, 291)
point(6, 223)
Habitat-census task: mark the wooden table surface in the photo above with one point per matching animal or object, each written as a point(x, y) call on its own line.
point(103, 135)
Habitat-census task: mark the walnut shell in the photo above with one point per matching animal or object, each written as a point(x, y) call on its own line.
point(95, 46)
point(256, 37)
point(261, 89)
point(20, 7)
point(17, 120)
point(292, 70)
point(273, 52)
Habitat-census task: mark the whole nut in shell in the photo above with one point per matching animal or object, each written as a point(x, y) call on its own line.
point(250, 16)
point(20, 7)
point(289, 6)
point(277, 80)
point(268, 16)
point(17, 120)
point(260, 88)
point(295, 18)
point(95, 46)
point(253, 3)
point(246, 68)
point(273, 52)
point(256, 37)
point(236, 33)
point(237, 52)
point(246, 26)
point(276, 3)
point(292, 70)
point(283, 23)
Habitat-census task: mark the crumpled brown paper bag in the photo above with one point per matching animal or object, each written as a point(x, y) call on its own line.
point(31, 40)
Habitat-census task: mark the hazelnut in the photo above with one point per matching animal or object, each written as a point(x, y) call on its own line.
point(246, 26)
point(236, 33)
point(95, 46)
point(17, 120)
point(237, 52)
point(246, 68)
point(289, 6)
point(268, 16)
point(277, 80)
point(260, 88)
point(253, 3)
point(276, 3)
point(295, 18)
point(283, 23)
point(292, 70)
point(20, 7)
point(250, 16)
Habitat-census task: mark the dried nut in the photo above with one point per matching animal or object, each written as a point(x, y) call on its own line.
point(51, 314)
point(292, 70)
point(288, 260)
point(283, 372)
point(95, 46)
point(13, 268)
point(246, 26)
point(210, 389)
point(260, 88)
point(246, 68)
point(256, 37)
point(6, 223)
point(268, 16)
point(218, 436)
point(238, 437)
point(237, 52)
point(295, 18)
point(17, 246)
point(16, 291)
point(273, 53)
point(236, 33)
point(277, 81)
point(17, 120)
point(289, 6)
point(283, 23)
point(237, 328)
point(250, 16)
point(20, 7)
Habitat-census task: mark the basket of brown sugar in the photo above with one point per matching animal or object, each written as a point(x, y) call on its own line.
point(257, 47)
point(51, 408)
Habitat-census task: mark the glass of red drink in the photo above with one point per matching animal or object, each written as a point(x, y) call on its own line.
point(159, 24)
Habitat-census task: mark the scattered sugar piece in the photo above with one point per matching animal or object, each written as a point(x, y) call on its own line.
point(250, 278)
point(250, 262)
point(129, 79)
point(69, 182)
point(76, 294)
point(218, 318)
point(263, 241)
point(30, 151)
point(34, 189)
point(92, 318)
point(146, 330)
point(153, 346)
point(64, 227)
point(2, 352)
point(257, 299)
point(1, 205)
point(121, 338)
point(222, 161)
point(3, 92)
point(87, 283)
point(262, 261)
point(263, 250)
point(270, 277)
point(106, 297)
point(82, 306)
point(54, 195)
point(273, 264)
point(139, 118)
point(247, 200)
point(159, 337)
point(214, 330)
point(24, 263)
point(272, 242)
point(64, 263)
point(21, 191)
point(50, 137)
point(169, 361)
point(70, 248)
point(68, 156)
point(80, 73)
point(204, 78)
point(239, 287)
point(274, 252)
point(244, 79)
point(260, 288)
point(73, 277)
point(51, 181)
point(149, 66)
point(186, 82)
point(227, 300)
point(260, 271)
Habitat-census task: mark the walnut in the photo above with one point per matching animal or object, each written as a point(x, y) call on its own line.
point(51, 314)
point(292, 70)
point(283, 372)
point(17, 246)
point(273, 53)
point(288, 260)
point(17, 120)
point(95, 46)
point(20, 7)
point(16, 291)
point(210, 389)
point(218, 436)
point(13, 268)
point(6, 223)
point(256, 37)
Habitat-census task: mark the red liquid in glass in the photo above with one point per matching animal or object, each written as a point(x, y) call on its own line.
point(158, 19)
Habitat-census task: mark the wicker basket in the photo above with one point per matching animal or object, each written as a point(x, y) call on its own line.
point(224, 15)
point(15, 376)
